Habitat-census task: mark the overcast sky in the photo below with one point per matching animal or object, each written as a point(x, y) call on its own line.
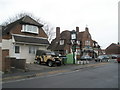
point(101, 16)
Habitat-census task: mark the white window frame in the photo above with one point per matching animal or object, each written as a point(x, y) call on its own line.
point(25, 28)
point(61, 42)
point(73, 36)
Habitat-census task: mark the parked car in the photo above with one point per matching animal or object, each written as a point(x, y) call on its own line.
point(113, 56)
point(86, 57)
point(118, 58)
point(47, 57)
point(102, 58)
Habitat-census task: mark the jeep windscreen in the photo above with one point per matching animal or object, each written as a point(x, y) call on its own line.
point(51, 53)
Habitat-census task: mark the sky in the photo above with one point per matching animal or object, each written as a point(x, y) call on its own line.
point(100, 16)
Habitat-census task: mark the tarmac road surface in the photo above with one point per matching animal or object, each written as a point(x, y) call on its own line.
point(104, 76)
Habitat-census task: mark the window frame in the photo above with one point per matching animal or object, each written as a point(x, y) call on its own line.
point(25, 28)
point(17, 51)
point(32, 49)
point(62, 42)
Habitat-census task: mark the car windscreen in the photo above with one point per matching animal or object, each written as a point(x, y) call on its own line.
point(100, 57)
point(50, 53)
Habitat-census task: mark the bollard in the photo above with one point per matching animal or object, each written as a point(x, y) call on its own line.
point(84, 62)
point(78, 62)
point(81, 62)
point(87, 61)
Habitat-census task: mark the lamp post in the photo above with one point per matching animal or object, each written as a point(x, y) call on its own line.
point(73, 40)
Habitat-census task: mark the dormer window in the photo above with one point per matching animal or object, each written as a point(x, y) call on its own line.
point(30, 29)
point(61, 42)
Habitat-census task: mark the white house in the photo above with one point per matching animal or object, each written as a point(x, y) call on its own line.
point(23, 37)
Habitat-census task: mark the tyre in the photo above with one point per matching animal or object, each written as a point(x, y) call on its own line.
point(50, 63)
point(59, 64)
point(39, 61)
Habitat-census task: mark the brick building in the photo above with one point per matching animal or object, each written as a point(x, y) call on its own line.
point(84, 43)
point(113, 49)
point(22, 38)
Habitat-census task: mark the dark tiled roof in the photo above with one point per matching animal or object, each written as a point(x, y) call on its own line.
point(113, 45)
point(31, 40)
point(28, 20)
point(65, 35)
point(24, 20)
point(60, 47)
point(55, 44)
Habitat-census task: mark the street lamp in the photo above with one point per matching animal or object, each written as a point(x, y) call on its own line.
point(73, 40)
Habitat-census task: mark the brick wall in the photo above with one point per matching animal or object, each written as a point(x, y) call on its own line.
point(86, 36)
point(5, 64)
point(18, 63)
point(8, 62)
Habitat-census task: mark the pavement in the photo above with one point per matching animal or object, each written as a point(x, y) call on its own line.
point(35, 70)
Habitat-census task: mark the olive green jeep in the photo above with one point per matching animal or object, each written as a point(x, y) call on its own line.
point(47, 57)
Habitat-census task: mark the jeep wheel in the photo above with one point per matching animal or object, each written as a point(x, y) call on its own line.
point(59, 64)
point(39, 61)
point(50, 63)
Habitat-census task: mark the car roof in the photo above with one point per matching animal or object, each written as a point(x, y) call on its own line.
point(40, 52)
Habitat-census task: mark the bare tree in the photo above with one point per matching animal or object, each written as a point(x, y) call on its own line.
point(49, 29)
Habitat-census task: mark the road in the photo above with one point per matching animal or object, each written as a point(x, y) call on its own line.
point(104, 76)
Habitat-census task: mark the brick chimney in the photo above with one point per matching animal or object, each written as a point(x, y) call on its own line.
point(57, 33)
point(77, 29)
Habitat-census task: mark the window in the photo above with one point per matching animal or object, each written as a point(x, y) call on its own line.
point(17, 49)
point(78, 42)
point(87, 42)
point(78, 51)
point(30, 29)
point(32, 49)
point(73, 36)
point(61, 42)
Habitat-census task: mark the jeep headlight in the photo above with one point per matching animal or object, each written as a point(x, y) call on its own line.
point(53, 59)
